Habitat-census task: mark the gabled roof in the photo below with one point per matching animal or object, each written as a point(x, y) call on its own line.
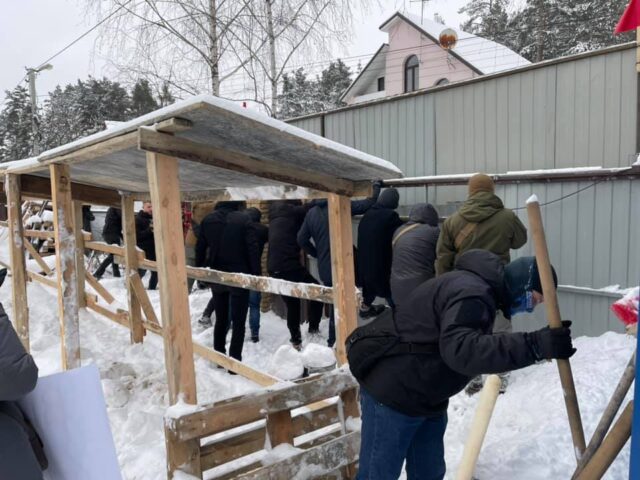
point(482, 55)
point(373, 69)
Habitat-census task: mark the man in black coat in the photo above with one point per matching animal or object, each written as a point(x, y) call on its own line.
point(374, 250)
point(112, 234)
point(21, 453)
point(405, 397)
point(208, 244)
point(145, 240)
point(414, 252)
point(255, 298)
point(314, 238)
point(284, 261)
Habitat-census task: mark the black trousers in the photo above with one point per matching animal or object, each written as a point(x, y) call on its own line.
point(236, 299)
point(108, 261)
point(300, 275)
point(153, 280)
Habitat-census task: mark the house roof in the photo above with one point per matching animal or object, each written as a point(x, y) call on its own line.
point(370, 71)
point(483, 55)
point(221, 146)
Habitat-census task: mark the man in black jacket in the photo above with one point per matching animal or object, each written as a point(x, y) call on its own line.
point(284, 261)
point(208, 244)
point(414, 252)
point(405, 397)
point(21, 453)
point(146, 241)
point(316, 227)
point(112, 234)
point(262, 236)
point(374, 251)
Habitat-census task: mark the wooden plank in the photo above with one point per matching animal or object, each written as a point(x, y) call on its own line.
point(306, 291)
point(114, 249)
point(81, 272)
point(36, 256)
point(40, 187)
point(219, 452)
point(161, 143)
point(344, 280)
point(120, 316)
point(141, 294)
point(131, 259)
point(280, 428)
point(16, 255)
point(173, 125)
point(174, 302)
point(65, 265)
point(97, 150)
point(322, 459)
point(49, 282)
point(224, 415)
point(100, 290)
point(43, 234)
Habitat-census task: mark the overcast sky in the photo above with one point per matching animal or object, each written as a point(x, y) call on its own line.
point(33, 30)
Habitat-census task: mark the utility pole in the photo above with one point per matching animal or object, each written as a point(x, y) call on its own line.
point(31, 73)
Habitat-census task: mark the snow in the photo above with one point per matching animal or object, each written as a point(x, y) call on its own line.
point(318, 356)
point(181, 408)
point(528, 438)
point(533, 199)
point(279, 453)
point(387, 169)
point(286, 363)
point(637, 162)
point(33, 220)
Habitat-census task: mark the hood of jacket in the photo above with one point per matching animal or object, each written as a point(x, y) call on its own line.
point(389, 198)
point(490, 268)
point(481, 206)
point(424, 213)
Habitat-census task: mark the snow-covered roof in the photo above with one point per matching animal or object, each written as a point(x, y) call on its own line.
point(485, 56)
point(369, 73)
point(219, 124)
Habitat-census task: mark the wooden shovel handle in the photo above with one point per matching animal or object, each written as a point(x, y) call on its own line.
point(555, 321)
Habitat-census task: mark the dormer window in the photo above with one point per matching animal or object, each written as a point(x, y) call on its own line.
point(411, 67)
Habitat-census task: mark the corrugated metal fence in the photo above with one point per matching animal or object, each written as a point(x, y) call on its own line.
point(577, 111)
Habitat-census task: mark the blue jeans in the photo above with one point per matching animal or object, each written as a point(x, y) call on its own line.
point(389, 437)
point(254, 312)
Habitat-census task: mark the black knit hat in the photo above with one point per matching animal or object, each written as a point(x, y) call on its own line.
point(522, 275)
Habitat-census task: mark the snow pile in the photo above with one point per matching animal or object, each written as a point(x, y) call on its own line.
point(286, 363)
point(318, 356)
point(33, 220)
point(279, 453)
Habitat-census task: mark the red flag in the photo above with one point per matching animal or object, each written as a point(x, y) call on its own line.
point(630, 19)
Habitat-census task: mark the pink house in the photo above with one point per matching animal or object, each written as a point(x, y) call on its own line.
point(414, 60)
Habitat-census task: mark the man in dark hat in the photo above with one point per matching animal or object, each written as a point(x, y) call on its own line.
point(405, 396)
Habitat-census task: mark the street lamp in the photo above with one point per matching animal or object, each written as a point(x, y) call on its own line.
point(31, 73)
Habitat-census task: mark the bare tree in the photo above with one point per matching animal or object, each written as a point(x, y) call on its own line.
point(182, 43)
point(280, 32)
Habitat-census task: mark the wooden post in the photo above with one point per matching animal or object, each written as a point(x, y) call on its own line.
point(77, 219)
point(174, 301)
point(553, 317)
point(344, 279)
point(131, 267)
point(18, 266)
point(279, 428)
point(65, 265)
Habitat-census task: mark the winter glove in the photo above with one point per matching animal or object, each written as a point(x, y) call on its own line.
point(549, 343)
point(377, 186)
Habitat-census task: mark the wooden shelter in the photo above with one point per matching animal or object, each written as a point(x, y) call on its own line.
point(202, 148)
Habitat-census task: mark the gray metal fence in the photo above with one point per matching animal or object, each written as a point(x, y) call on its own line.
point(572, 112)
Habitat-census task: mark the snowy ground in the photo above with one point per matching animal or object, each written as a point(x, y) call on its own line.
point(528, 438)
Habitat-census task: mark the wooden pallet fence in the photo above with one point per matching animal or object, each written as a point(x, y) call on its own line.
point(310, 414)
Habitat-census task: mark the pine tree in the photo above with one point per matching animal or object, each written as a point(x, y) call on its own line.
point(16, 137)
point(166, 98)
point(142, 100)
point(297, 93)
point(487, 18)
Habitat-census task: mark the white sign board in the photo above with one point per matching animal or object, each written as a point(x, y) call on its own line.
point(69, 412)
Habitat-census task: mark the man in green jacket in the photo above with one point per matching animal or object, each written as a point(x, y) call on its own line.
point(482, 222)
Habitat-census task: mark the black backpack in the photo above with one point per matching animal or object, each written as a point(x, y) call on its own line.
point(378, 339)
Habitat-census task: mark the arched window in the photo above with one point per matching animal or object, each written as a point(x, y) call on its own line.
point(411, 74)
point(442, 81)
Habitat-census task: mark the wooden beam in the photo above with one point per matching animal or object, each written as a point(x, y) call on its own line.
point(65, 242)
point(40, 187)
point(100, 149)
point(161, 143)
point(131, 258)
point(114, 249)
point(43, 234)
point(36, 256)
point(343, 274)
point(100, 290)
point(80, 270)
point(18, 264)
point(227, 414)
point(49, 282)
point(141, 294)
point(119, 316)
point(173, 125)
point(306, 291)
point(174, 302)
